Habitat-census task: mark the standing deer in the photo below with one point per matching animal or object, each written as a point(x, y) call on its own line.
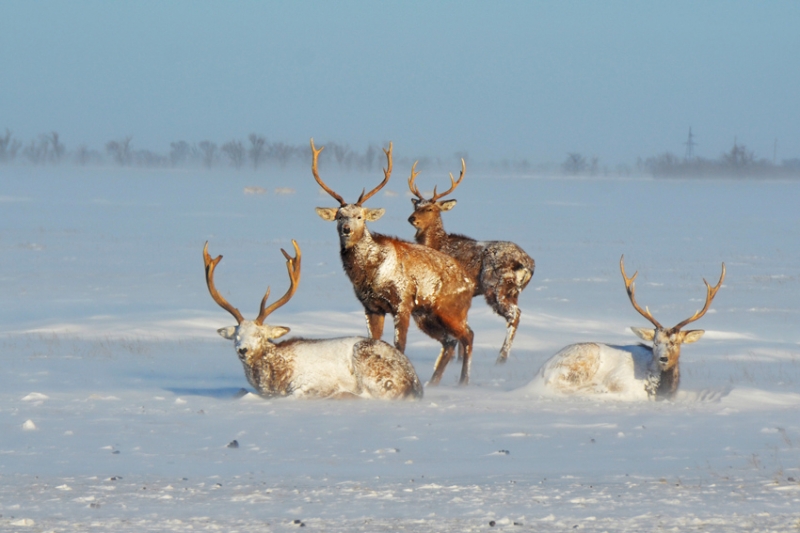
point(500, 270)
point(633, 372)
point(328, 368)
point(403, 279)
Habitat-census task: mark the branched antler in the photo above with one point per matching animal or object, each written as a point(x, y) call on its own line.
point(293, 267)
point(314, 171)
point(453, 183)
point(631, 288)
point(386, 173)
point(411, 185)
point(211, 264)
point(711, 292)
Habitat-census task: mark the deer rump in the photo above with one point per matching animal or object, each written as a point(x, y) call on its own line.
point(335, 368)
point(621, 372)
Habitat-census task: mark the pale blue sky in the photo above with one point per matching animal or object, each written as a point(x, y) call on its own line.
point(498, 80)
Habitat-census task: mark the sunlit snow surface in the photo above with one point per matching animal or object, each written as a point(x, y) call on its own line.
point(119, 403)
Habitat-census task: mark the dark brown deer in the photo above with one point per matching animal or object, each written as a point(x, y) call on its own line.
point(345, 367)
point(627, 372)
point(500, 270)
point(403, 279)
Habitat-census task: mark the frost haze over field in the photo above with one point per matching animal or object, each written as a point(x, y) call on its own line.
point(120, 406)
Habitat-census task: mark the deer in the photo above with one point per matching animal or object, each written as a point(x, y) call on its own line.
point(406, 280)
point(626, 372)
point(499, 270)
point(346, 367)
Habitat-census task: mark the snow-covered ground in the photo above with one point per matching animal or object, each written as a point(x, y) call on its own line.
point(120, 404)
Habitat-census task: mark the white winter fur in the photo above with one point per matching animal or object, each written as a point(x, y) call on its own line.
point(327, 368)
point(621, 372)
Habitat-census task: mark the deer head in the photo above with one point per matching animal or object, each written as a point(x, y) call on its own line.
point(428, 212)
point(253, 337)
point(350, 219)
point(667, 341)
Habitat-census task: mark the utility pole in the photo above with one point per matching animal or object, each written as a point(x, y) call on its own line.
point(690, 144)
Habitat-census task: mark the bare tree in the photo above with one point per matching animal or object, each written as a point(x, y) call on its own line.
point(235, 152)
point(209, 151)
point(574, 164)
point(739, 157)
point(257, 149)
point(8, 147)
point(179, 152)
point(282, 152)
point(36, 152)
point(120, 150)
point(57, 148)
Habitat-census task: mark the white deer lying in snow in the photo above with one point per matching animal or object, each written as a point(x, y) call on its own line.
point(344, 367)
point(626, 372)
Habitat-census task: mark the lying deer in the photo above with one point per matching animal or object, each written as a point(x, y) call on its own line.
point(634, 372)
point(403, 279)
point(326, 368)
point(500, 270)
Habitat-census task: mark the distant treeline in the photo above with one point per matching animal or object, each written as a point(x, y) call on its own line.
point(738, 162)
point(256, 152)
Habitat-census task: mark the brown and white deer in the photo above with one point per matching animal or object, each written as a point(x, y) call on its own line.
point(327, 368)
point(403, 279)
point(626, 372)
point(500, 270)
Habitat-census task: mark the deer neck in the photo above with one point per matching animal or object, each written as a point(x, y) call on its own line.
point(360, 259)
point(668, 386)
point(433, 236)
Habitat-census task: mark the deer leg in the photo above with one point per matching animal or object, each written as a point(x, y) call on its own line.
point(375, 325)
point(448, 349)
point(465, 350)
point(504, 302)
point(401, 320)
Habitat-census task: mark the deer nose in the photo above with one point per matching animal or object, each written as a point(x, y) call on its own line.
point(345, 230)
point(242, 351)
point(412, 219)
point(664, 360)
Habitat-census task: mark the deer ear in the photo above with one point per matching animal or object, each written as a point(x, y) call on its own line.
point(326, 213)
point(447, 205)
point(415, 201)
point(693, 335)
point(227, 333)
point(276, 332)
point(374, 214)
point(646, 334)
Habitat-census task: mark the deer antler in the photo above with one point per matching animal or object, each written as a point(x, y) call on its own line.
point(411, 184)
point(293, 267)
point(631, 288)
point(314, 171)
point(711, 292)
point(386, 172)
point(211, 264)
point(453, 183)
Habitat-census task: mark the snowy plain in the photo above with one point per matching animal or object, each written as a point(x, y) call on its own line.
point(119, 403)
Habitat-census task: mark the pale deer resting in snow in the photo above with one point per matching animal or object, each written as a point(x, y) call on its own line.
point(500, 270)
point(345, 367)
point(403, 279)
point(633, 372)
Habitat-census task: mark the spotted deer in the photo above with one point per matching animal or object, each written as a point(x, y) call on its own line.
point(631, 372)
point(403, 279)
point(346, 367)
point(500, 270)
